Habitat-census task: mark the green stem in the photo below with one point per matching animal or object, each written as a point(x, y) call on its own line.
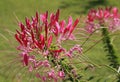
point(109, 48)
point(88, 37)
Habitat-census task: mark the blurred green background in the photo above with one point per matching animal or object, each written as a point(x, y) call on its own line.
point(12, 9)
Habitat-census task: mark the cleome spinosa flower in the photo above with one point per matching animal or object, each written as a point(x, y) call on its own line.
point(40, 44)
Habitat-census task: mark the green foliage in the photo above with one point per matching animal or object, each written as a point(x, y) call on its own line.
point(108, 47)
point(74, 8)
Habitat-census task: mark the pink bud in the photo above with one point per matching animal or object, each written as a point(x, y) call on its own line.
point(46, 63)
point(27, 23)
point(22, 27)
point(57, 14)
point(18, 39)
point(51, 74)
point(115, 10)
point(61, 74)
point(38, 75)
point(44, 78)
point(25, 59)
point(37, 16)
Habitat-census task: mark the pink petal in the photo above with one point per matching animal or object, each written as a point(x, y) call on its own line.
point(69, 55)
point(44, 78)
point(50, 41)
point(42, 18)
point(69, 22)
point(74, 25)
point(46, 30)
point(22, 27)
point(25, 59)
point(61, 74)
point(37, 16)
point(57, 25)
point(51, 74)
point(18, 39)
point(62, 26)
point(32, 36)
point(57, 14)
point(27, 23)
point(115, 10)
point(46, 63)
point(42, 39)
point(30, 68)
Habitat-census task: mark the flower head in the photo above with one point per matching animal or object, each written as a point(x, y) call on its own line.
point(40, 43)
point(103, 17)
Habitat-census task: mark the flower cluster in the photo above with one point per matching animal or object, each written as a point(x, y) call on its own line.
point(40, 44)
point(103, 17)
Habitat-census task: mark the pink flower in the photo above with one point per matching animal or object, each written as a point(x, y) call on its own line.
point(73, 49)
point(40, 43)
point(61, 74)
point(102, 17)
point(51, 74)
point(91, 15)
point(46, 63)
